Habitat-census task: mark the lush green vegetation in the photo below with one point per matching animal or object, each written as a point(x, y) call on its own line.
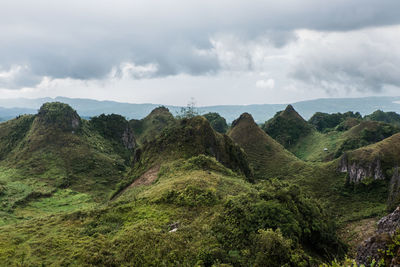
point(388, 117)
point(84, 193)
point(323, 121)
point(287, 127)
point(152, 125)
point(217, 122)
point(220, 218)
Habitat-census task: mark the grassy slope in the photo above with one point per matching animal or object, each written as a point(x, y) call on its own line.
point(48, 170)
point(311, 147)
point(152, 125)
point(318, 179)
point(267, 157)
point(134, 230)
point(141, 214)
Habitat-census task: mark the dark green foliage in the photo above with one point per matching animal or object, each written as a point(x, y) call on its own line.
point(191, 196)
point(347, 124)
point(192, 137)
point(287, 127)
point(388, 117)
point(217, 122)
point(12, 132)
point(116, 129)
point(110, 126)
point(324, 121)
point(367, 136)
point(59, 115)
point(277, 205)
point(152, 125)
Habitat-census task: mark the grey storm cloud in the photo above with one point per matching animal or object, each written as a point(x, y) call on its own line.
point(86, 39)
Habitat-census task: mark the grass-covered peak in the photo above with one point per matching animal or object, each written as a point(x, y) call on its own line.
point(265, 154)
point(191, 137)
point(152, 125)
point(159, 110)
point(59, 115)
point(287, 127)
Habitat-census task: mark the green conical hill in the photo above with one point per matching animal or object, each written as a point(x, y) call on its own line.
point(287, 127)
point(56, 149)
point(266, 156)
point(152, 125)
point(192, 137)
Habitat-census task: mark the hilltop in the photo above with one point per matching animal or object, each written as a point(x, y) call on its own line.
point(266, 155)
point(168, 190)
point(287, 127)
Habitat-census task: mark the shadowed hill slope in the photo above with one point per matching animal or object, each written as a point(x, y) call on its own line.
point(287, 127)
point(152, 125)
point(266, 156)
point(191, 137)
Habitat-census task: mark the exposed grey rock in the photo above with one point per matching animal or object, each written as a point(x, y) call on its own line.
point(369, 249)
point(75, 122)
point(128, 139)
point(358, 171)
point(390, 223)
point(394, 189)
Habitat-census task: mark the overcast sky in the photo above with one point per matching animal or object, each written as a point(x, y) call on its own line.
point(216, 51)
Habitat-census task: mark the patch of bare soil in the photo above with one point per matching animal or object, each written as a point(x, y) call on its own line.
point(146, 178)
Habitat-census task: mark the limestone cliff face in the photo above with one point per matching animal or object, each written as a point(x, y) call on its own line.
point(128, 139)
point(357, 171)
point(394, 189)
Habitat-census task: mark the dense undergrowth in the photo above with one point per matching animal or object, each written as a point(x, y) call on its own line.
point(220, 218)
point(71, 190)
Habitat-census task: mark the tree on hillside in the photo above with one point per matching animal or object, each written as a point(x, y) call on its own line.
point(189, 111)
point(217, 122)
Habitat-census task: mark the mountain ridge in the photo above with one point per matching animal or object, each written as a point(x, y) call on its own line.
point(260, 112)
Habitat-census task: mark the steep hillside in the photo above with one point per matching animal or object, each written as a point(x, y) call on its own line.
point(198, 212)
point(375, 161)
point(287, 127)
point(266, 156)
point(55, 154)
point(332, 144)
point(152, 125)
point(185, 139)
point(217, 122)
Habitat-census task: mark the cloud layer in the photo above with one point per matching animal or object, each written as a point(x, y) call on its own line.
point(330, 44)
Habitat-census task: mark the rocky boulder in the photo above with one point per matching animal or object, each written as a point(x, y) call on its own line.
point(371, 249)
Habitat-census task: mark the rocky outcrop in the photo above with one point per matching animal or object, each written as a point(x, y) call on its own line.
point(371, 248)
point(128, 139)
point(358, 171)
point(394, 189)
point(59, 115)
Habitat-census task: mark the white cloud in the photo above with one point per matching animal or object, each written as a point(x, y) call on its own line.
point(128, 70)
point(266, 84)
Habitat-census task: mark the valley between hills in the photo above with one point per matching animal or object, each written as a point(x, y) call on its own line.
point(191, 190)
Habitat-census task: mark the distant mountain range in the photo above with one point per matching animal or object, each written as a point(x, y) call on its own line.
point(10, 108)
